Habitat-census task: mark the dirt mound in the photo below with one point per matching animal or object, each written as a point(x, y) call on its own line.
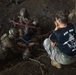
point(24, 68)
point(35, 68)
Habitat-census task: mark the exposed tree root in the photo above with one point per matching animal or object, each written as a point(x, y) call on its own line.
point(41, 65)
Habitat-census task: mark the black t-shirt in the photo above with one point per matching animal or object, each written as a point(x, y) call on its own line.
point(65, 38)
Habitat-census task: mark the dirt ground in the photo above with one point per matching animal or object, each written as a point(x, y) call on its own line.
point(44, 10)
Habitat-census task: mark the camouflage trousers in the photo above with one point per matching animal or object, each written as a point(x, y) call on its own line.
point(56, 55)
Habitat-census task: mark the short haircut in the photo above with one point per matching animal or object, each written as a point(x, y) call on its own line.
point(63, 15)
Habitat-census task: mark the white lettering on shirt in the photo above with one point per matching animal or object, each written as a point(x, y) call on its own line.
point(71, 42)
point(65, 33)
point(71, 30)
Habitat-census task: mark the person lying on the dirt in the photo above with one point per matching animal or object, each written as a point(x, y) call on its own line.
point(61, 44)
point(23, 18)
point(15, 34)
point(22, 42)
